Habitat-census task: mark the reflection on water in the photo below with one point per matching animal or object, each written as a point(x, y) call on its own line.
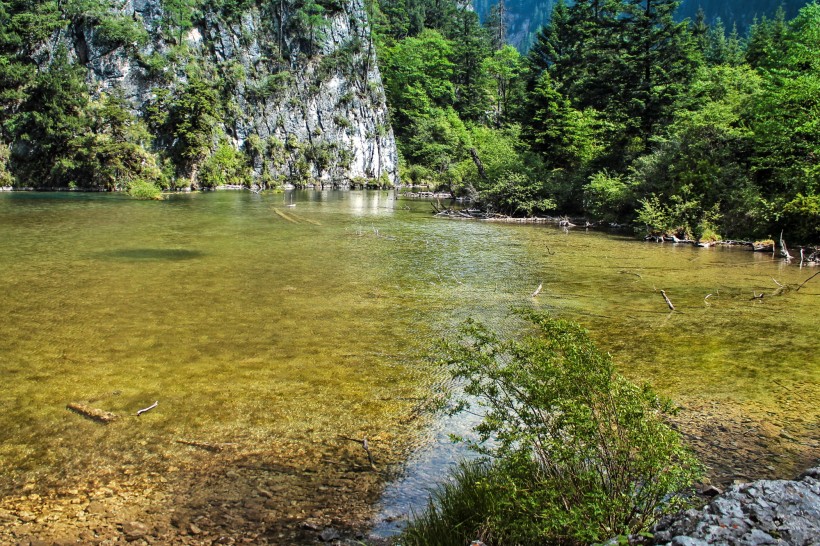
point(258, 324)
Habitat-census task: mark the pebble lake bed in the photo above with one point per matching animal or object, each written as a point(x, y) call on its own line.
point(273, 341)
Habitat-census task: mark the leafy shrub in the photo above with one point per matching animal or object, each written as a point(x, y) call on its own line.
point(801, 216)
point(579, 454)
point(515, 193)
point(225, 166)
point(144, 189)
point(606, 196)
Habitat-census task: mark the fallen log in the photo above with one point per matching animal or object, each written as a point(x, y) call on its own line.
point(101, 416)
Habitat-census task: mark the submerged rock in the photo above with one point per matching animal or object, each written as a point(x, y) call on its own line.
point(780, 512)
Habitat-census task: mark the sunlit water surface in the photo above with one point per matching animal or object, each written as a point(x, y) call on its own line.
point(251, 321)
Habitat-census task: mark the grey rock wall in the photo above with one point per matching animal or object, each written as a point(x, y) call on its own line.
point(321, 105)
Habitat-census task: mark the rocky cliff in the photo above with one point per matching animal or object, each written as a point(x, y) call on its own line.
point(297, 83)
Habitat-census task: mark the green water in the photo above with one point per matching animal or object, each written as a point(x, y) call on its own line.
point(257, 324)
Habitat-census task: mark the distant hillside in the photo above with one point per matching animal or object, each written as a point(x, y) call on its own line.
point(740, 12)
point(525, 17)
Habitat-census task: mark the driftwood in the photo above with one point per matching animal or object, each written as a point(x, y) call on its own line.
point(537, 290)
point(204, 445)
point(101, 416)
point(366, 447)
point(668, 301)
point(784, 252)
point(149, 408)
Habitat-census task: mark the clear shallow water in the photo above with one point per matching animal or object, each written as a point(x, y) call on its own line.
point(260, 324)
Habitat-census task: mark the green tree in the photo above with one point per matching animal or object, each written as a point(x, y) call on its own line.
point(505, 76)
point(418, 76)
point(192, 120)
point(52, 114)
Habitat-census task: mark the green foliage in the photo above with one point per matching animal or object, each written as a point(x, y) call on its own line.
point(516, 194)
point(192, 119)
point(226, 166)
point(505, 89)
point(5, 176)
point(311, 22)
point(143, 189)
point(579, 454)
point(801, 217)
point(52, 115)
point(606, 197)
point(417, 74)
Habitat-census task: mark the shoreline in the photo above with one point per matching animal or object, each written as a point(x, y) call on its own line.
point(281, 496)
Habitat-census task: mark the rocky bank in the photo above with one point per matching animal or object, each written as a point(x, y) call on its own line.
point(776, 512)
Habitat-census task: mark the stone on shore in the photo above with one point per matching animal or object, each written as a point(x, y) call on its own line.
point(777, 512)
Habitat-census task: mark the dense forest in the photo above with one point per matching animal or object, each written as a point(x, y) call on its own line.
point(740, 13)
point(618, 112)
point(525, 17)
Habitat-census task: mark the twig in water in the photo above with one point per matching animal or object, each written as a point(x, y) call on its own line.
point(668, 301)
point(149, 408)
point(807, 280)
point(630, 273)
point(707, 297)
point(204, 445)
point(538, 290)
point(366, 447)
point(755, 296)
point(777, 283)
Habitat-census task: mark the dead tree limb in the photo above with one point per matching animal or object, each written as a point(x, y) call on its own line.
point(807, 280)
point(94, 414)
point(784, 252)
point(366, 446)
point(479, 165)
point(668, 301)
point(204, 445)
point(149, 408)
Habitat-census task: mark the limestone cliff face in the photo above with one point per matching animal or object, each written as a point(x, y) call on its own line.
point(308, 92)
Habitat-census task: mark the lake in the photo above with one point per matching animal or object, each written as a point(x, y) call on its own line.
point(272, 336)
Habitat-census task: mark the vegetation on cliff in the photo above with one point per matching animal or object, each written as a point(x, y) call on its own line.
point(99, 95)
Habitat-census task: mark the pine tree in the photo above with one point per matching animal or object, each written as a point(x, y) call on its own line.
point(497, 25)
